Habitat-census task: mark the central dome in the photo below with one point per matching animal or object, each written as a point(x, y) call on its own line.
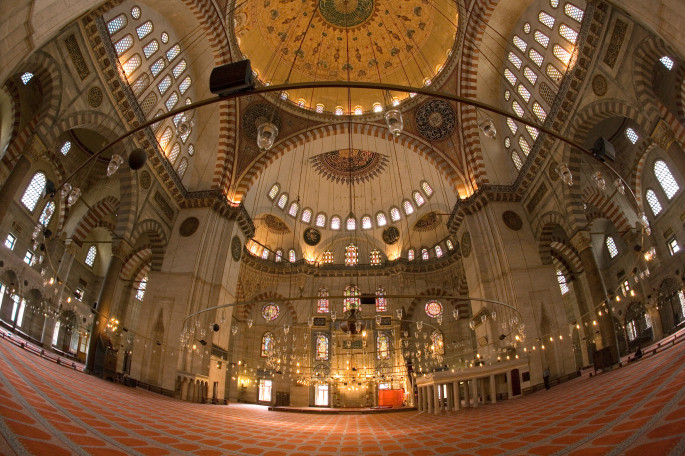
point(405, 43)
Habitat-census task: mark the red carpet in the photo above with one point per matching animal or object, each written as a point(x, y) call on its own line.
point(47, 409)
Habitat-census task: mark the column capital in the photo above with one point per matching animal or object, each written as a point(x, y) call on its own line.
point(120, 248)
point(581, 240)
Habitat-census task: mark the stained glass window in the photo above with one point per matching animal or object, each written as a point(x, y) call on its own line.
point(273, 191)
point(381, 301)
point(382, 346)
point(267, 345)
point(173, 52)
point(351, 300)
point(542, 39)
point(144, 29)
point(523, 144)
point(410, 255)
point(426, 189)
point(366, 222)
point(336, 222)
point(437, 343)
point(34, 191)
point(632, 136)
point(157, 67)
point(568, 33)
point(171, 101)
point(424, 254)
point(123, 44)
point(375, 257)
point(667, 62)
point(512, 125)
point(554, 74)
point(179, 69)
point(540, 113)
point(90, 256)
point(530, 75)
point(653, 201)
point(611, 246)
point(665, 178)
point(278, 256)
point(322, 305)
point(438, 251)
point(321, 347)
point(140, 293)
point(319, 108)
point(433, 308)
point(291, 256)
point(394, 214)
point(282, 200)
point(306, 215)
point(265, 254)
point(407, 206)
point(517, 160)
point(515, 60)
point(418, 199)
point(535, 56)
point(546, 19)
point(294, 209)
point(164, 85)
point(327, 257)
point(380, 219)
point(520, 43)
point(182, 168)
point(525, 94)
point(132, 64)
point(46, 215)
point(320, 220)
point(270, 311)
point(573, 12)
point(351, 255)
point(510, 76)
point(351, 223)
point(563, 286)
point(117, 24)
point(150, 48)
point(450, 245)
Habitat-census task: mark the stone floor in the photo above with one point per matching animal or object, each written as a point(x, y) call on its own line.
point(48, 409)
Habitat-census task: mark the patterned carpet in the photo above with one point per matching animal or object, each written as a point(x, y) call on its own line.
point(48, 409)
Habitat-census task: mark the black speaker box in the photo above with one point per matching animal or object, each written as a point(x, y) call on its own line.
point(368, 299)
point(231, 78)
point(603, 149)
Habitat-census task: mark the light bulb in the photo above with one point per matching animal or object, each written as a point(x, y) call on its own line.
point(599, 180)
point(488, 128)
point(393, 118)
point(114, 164)
point(66, 188)
point(73, 196)
point(618, 183)
point(266, 136)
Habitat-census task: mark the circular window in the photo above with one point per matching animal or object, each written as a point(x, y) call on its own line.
point(135, 12)
point(270, 312)
point(433, 308)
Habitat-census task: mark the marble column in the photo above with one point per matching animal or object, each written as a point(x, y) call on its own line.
point(62, 274)
point(419, 399)
point(450, 396)
point(467, 399)
point(431, 401)
point(455, 392)
point(474, 391)
point(493, 389)
point(510, 391)
point(436, 398)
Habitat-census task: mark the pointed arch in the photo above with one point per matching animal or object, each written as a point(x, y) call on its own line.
point(157, 240)
point(96, 214)
point(607, 208)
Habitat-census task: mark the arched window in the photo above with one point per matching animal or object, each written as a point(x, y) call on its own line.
point(424, 254)
point(563, 286)
point(611, 247)
point(321, 347)
point(380, 219)
point(182, 168)
point(667, 62)
point(273, 192)
point(410, 255)
point(294, 209)
point(320, 220)
point(34, 191)
point(185, 84)
point(163, 86)
point(438, 251)
point(140, 293)
point(90, 256)
point(46, 215)
point(265, 254)
point(517, 160)
point(327, 257)
point(375, 257)
point(433, 308)
point(179, 68)
point(351, 300)
point(335, 222)
point(26, 77)
point(150, 48)
point(351, 255)
point(407, 206)
point(418, 199)
point(351, 223)
point(66, 147)
point(291, 256)
point(278, 256)
point(123, 44)
point(132, 64)
point(165, 139)
point(449, 244)
point(394, 214)
point(366, 223)
point(322, 303)
point(665, 178)
point(267, 345)
point(382, 346)
point(282, 200)
point(174, 153)
point(172, 101)
point(381, 302)
point(427, 189)
point(306, 216)
point(144, 30)
point(653, 201)
point(117, 24)
point(437, 343)
point(173, 52)
point(157, 67)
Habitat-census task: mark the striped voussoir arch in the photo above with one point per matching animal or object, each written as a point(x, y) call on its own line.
point(591, 115)
point(564, 267)
point(561, 248)
point(479, 13)
point(265, 297)
point(210, 18)
point(637, 176)
point(607, 208)
point(645, 56)
point(12, 91)
point(95, 215)
point(105, 125)
point(375, 130)
point(139, 258)
point(545, 228)
point(157, 239)
point(680, 93)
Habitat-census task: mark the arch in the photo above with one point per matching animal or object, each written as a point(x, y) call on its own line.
point(600, 110)
point(158, 240)
point(96, 214)
point(135, 261)
point(546, 226)
point(607, 208)
point(105, 125)
point(423, 149)
point(266, 296)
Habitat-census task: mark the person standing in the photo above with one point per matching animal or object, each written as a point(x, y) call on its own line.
point(545, 377)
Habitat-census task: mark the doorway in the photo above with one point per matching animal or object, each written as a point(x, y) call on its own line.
point(321, 395)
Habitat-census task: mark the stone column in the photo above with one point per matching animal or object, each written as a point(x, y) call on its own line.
point(426, 398)
point(467, 399)
point(450, 396)
point(581, 241)
point(104, 304)
point(493, 389)
point(455, 392)
point(13, 184)
point(437, 406)
point(431, 403)
point(510, 391)
point(474, 391)
point(419, 399)
point(657, 328)
point(62, 274)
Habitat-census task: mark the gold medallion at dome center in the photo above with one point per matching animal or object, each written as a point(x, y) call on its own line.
point(346, 13)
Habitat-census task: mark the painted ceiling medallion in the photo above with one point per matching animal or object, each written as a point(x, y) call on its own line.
point(257, 114)
point(312, 236)
point(345, 165)
point(436, 120)
point(391, 235)
point(275, 224)
point(236, 248)
point(346, 13)
point(428, 222)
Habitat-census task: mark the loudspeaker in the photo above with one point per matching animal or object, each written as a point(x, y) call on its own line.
point(368, 299)
point(231, 78)
point(603, 149)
